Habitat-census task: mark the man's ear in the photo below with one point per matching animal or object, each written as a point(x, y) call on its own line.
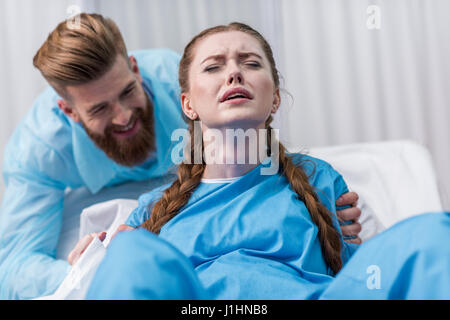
point(276, 101)
point(134, 67)
point(68, 110)
point(186, 105)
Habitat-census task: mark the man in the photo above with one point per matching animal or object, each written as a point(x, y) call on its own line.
point(107, 118)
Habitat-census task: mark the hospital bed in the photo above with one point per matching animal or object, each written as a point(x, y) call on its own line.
point(394, 180)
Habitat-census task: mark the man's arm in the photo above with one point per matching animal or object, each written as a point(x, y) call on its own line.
point(30, 223)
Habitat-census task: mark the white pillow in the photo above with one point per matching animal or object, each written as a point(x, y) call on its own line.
point(394, 180)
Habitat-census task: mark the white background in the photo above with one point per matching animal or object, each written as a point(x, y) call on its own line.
point(345, 82)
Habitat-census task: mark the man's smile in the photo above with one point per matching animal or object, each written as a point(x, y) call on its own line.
point(129, 130)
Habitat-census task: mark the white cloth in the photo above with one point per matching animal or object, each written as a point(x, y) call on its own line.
point(97, 218)
point(106, 216)
point(76, 283)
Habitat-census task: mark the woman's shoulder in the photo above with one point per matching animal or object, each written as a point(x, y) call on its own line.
point(142, 212)
point(321, 175)
point(311, 165)
point(150, 196)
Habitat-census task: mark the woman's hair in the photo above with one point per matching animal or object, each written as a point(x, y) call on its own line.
point(189, 175)
point(79, 52)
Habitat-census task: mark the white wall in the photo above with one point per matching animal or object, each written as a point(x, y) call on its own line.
point(348, 83)
point(355, 84)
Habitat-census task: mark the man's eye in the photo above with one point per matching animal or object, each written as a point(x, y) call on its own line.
point(128, 92)
point(98, 110)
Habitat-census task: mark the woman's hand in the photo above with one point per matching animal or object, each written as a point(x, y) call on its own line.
point(81, 246)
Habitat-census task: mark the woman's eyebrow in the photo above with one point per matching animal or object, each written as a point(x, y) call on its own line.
point(244, 55)
point(214, 57)
point(241, 55)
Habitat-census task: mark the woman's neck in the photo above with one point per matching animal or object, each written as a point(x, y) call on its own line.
point(220, 171)
point(230, 153)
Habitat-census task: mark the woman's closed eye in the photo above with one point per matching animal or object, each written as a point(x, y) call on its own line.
point(211, 68)
point(253, 64)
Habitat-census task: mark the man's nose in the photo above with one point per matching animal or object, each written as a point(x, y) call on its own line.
point(122, 115)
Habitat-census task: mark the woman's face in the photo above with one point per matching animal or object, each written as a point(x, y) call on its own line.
point(230, 83)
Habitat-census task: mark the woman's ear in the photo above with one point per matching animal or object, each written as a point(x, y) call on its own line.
point(276, 101)
point(187, 107)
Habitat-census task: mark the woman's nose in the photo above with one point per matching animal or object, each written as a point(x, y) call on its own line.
point(235, 78)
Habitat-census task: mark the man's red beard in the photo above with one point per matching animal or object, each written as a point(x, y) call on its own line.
point(128, 151)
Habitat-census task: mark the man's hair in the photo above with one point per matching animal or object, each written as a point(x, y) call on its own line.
point(76, 53)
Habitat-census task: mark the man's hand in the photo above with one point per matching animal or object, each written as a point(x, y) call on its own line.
point(348, 217)
point(82, 245)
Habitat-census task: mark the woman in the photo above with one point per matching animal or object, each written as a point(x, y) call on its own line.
point(247, 235)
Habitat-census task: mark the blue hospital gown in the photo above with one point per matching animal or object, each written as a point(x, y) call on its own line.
point(252, 239)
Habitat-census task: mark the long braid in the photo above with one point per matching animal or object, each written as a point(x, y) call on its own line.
point(178, 194)
point(320, 215)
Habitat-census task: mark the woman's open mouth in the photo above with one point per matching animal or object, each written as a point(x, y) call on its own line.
point(236, 100)
point(236, 96)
